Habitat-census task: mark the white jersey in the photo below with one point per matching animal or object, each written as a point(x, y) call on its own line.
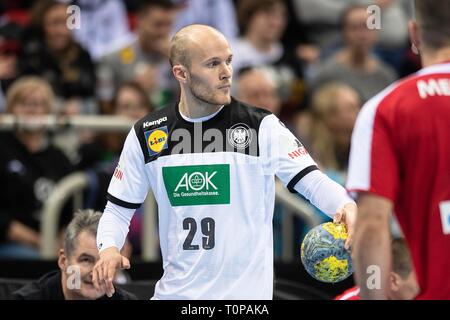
point(214, 183)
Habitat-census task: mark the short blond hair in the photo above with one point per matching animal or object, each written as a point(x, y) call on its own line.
point(322, 140)
point(23, 86)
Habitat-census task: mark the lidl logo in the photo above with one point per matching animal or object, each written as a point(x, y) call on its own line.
point(157, 140)
point(197, 185)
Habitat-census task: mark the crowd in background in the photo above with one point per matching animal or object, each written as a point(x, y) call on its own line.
point(313, 63)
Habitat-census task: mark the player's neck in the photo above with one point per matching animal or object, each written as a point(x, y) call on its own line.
point(193, 108)
point(431, 57)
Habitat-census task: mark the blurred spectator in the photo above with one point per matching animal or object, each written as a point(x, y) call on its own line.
point(295, 33)
point(326, 129)
point(334, 111)
point(105, 26)
point(393, 35)
point(220, 14)
point(101, 156)
point(402, 280)
point(321, 19)
point(76, 260)
point(355, 64)
point(256, 87)
point(145, 60)
point(131, 102)
point(29, 169)
point(50, 51)
point(262, 23)
point(9, 49)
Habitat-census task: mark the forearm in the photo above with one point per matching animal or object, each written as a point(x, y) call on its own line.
point(372, 252)
point(324, 193)
point(113, 226)
point(18, 232)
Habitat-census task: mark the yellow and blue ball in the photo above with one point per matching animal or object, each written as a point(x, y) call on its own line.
point(323, 254)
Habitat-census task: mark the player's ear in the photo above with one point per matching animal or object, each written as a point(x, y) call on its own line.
point(394, 282)
point(62, 260)
point(414, 36)
point(180, 73)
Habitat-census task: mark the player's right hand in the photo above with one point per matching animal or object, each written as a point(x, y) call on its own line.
point(347, 215)
point(106, 267)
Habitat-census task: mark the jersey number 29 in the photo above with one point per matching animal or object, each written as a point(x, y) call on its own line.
point(208, 230)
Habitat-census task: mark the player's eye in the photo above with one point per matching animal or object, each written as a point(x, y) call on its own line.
point(86, 260)
point(213, 64)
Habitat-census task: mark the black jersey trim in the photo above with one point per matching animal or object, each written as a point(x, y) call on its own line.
point(299, 177)
point(122, 203)
point(232, 114)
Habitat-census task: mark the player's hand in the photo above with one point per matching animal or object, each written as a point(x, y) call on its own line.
point(106, 267)
point(347, 215)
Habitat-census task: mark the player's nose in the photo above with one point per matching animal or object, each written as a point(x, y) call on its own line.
point(226, 72)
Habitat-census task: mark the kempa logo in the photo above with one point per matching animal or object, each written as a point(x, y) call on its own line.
point(152, 123)
point(197, 185)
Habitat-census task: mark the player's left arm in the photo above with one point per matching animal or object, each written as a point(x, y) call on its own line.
point(371, 250)
point(292, 164)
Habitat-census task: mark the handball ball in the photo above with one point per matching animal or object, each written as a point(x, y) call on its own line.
point(323, 254)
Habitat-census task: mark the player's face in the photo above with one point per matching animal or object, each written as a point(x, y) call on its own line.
point(404, 289)
point(210, 72)
point(83, 259)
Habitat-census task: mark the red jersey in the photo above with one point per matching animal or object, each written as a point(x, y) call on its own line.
point(350, 294)
point(401, 151)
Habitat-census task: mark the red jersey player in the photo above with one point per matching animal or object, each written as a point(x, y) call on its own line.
point(400, 162)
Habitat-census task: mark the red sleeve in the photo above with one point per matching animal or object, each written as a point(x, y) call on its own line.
point(373, 160)
point(384, 165)
point(350, 294)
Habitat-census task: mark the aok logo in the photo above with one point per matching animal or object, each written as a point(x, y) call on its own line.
point(197, 181)
point(197, 185)
point(156, 140)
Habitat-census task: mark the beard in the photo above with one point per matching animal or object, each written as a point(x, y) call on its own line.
point(208, 94)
